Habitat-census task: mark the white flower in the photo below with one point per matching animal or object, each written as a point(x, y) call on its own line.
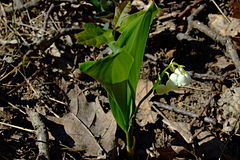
point(180, 77)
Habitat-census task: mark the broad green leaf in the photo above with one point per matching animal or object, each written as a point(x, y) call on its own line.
point(121, 12)
point(112, 69)
point(113, 72)
point(119, 73)
point(94, 35)
point(122, 105)
point(135, 29)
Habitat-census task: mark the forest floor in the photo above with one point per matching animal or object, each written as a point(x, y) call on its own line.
point(50, 110)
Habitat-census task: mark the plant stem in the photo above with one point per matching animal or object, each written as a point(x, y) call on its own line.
point(130, 142)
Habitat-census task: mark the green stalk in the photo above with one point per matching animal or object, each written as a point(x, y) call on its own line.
point(130, 142)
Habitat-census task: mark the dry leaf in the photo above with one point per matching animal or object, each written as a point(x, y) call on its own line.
point(211, 147)
point(145, 113)
point(87, 126)
point(80, 107)
point(53, 50)
point(229, 106)
point(222, 62)
point(182, 128)
point(235, 8)
point(140, 5)
point(220, 25)
point(70, 131)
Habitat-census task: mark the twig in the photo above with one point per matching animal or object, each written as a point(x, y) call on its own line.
point(6, 42)
point(12, 105)
point(167, 16)
point(47, 16)
point(219, 9)
point(41, 133)
point(223, 40)
point(203, 110)
point(189, 7)
point(206, 76)
point(45, 43)
point(184, 112)
point(17, 127)
point(37, 94)
point(12, 71)
point(30, 4)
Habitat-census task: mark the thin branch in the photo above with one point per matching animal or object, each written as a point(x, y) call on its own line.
point(30, 4)
point(219, 9)
point(27, 5)
point(47, 16)
point(46, 43)
point(184, 112)
point(189, 7)
point(17, 127)
point(226, 41)
point(41, 133)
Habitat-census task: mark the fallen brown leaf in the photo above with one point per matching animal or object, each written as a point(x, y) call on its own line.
point(87, 126)
point(182, 128)
point(220, 25)
point(145, 114)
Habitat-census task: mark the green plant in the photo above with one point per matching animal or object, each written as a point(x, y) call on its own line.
point(119, 73)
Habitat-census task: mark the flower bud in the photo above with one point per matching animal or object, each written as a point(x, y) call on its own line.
point(164, 89)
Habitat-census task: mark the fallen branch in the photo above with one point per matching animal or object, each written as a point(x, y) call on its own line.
point(30, 4)
point(41, 133)
point(184, 112)
point(226, 41)
point(47, 16)
point(46, 43)
point(188, 8)
point(27, 5)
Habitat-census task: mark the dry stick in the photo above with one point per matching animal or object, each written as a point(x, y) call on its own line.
point(219, 9)
point(189, 7)
point(167, 16)
point(17, 127)
point(45, 43)
point(7, 42)
point(47, 16)
point(184, 112)
point(224, 40)
point(206, 76)
point(204, 109)
point(15, 107)
point(30, 4)
point(9, 73)
point(41, 133)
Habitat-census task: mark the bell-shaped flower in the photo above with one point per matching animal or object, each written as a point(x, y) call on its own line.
point(180, 77)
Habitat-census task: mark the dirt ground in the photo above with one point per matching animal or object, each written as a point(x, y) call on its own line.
point(50, 110)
